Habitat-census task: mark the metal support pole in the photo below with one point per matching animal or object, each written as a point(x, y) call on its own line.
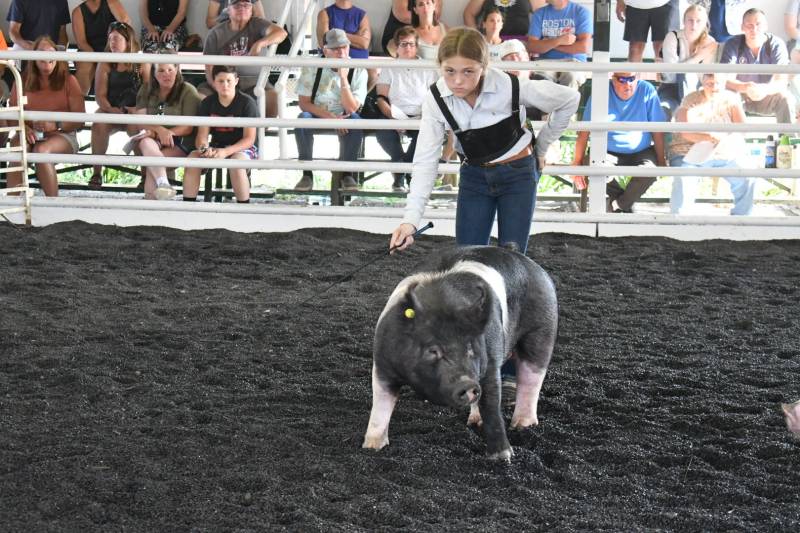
point(599, 140)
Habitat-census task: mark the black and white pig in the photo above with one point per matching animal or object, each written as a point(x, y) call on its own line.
point(447, 329)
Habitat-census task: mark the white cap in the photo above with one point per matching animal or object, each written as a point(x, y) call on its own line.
point(513, 46)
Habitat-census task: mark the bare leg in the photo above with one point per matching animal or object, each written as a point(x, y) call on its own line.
point(635, 51)
point(100, 136)
point(46, 172)
point(85, 74)
point(239, 181)
point(191, 179)
point(149, 148)
point(271, 101)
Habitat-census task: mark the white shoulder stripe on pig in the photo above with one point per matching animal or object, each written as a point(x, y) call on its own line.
point(491, 276)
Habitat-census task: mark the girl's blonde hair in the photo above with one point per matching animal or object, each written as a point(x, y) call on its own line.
point(700, 9)
point(464, 42)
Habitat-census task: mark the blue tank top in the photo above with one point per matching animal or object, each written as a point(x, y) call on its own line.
point(348, 20)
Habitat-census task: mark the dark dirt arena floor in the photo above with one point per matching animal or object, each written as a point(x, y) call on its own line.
point(159, 380)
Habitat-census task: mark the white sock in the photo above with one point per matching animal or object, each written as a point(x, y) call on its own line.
point(162, 181)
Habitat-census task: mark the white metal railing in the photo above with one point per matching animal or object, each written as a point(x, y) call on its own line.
point(20, 153)
point(596, 170)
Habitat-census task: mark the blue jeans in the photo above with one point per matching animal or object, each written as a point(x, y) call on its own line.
point(508, 191)
point(684, 188)
point(349, 144)
point(390, 142)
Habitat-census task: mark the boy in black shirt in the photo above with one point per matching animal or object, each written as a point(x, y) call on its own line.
point(226, 141)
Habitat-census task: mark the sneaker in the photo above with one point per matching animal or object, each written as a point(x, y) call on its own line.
point(348, 184)
point(398, 185)
point(306, 183)
point(165, 192)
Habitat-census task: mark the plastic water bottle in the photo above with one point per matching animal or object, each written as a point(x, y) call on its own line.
point(756, 155)
point(769, 152)
point(783, 154)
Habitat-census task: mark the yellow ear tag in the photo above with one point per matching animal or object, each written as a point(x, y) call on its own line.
point(409, 313)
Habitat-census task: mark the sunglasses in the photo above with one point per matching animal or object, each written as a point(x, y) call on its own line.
point(625, 79)
point(160, 108)
point(117, 25)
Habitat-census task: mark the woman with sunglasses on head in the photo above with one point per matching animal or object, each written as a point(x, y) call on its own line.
point(163, 24)
point(116, 87)
point(48, 86)
point(90, 24)
point(399, 16)
point(485, 107)
point(430, 31)
point(166, 94)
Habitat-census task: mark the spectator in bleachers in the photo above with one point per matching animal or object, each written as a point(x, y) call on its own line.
point(514, 50)
point(691, 45)
point(218, 12)
point(399, 16)
point(642, 17)
point(342, 14)
point(791, 22)
point(491, 27)
point(30, 19)
point(430, 31)
point(243, 34)
point(710, 105)
point(629, 100)
point(561, 31)
point(48, 86)
point(516, 15)
point(166, 94)
point(227, 142)
point(116, 87)
point(331, 94)
point(90, 24)
point(763, 94)
point(163, 24)
point(400, 95)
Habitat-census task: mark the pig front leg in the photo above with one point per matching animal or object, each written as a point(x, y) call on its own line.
point(494, 429)
point(529, 385)
point(383, 401)
point(792, 412)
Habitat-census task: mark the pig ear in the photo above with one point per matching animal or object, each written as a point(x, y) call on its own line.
point(413, 301)
point(480, 303)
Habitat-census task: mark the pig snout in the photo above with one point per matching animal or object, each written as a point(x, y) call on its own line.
point(467, 391)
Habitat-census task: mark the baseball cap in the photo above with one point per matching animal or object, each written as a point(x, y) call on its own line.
point(239, 1)
point(512, 46)
point(336, 38)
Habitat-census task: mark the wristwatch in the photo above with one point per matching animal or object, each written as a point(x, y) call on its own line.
point(59, 125)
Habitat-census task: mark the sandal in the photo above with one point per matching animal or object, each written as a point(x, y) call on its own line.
point(96, 182)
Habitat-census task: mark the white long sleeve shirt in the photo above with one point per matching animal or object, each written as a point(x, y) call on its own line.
point(492, 105)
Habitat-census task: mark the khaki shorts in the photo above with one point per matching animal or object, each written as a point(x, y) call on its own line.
point(72, 138)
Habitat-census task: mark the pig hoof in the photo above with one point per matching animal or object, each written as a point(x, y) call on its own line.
point(503, 455)
point(375, 443)
point(524, 422)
